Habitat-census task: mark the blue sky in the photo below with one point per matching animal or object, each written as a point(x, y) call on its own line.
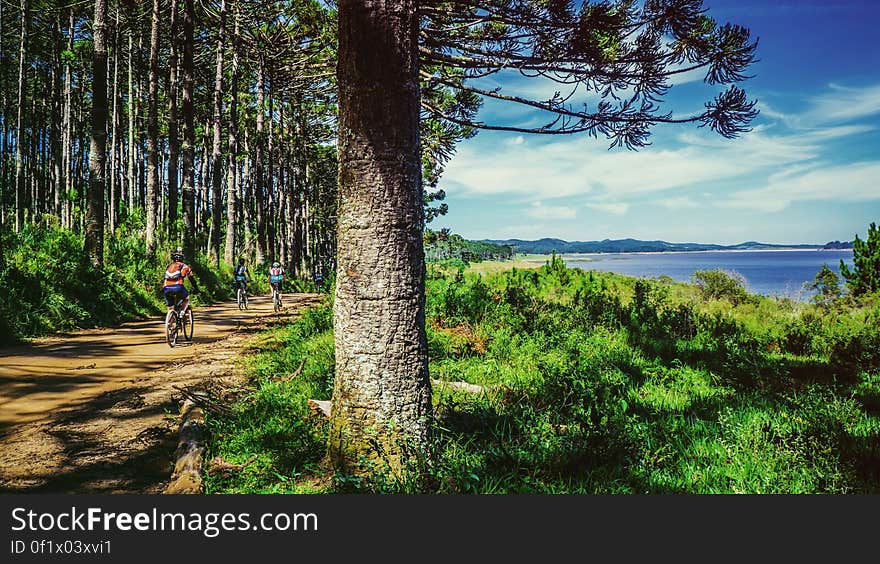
point(809, 172)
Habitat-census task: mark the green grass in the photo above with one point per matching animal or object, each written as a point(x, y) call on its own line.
point(271, 425)
point(596, 383)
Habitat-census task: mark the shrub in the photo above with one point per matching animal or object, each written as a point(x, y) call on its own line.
point(722, 285)
point(855, 345)
point(826, 285)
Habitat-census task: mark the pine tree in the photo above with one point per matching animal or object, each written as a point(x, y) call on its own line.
point(864, 277)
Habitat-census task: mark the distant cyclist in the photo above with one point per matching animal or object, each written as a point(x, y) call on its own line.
point(176, 273)
point(241, 275)
point(276, 277)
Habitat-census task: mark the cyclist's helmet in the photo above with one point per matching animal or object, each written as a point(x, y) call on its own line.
point(177, 255)
point(241, 261)
point(276, 264)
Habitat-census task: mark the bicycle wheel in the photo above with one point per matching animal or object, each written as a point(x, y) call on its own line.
point(171, 328)
point(239, 299)
point(276, 301)
point(244, 295)
point(188, 323)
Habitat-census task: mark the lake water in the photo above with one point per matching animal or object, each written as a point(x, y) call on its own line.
point(771, 273)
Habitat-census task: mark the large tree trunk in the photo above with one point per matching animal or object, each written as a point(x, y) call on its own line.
point(382, 393)
point(153, 134)
point(229, 249)
point(188, 192)
point(173, 140)
point(19, 121)
point(94, 233)
point(216, 153)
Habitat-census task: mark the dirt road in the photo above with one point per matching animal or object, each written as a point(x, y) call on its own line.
point(95, 411)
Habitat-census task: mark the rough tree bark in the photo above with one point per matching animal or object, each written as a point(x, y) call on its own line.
point(229, 250)
point(130, 178)
point(173, 140)
point(188, 192)
point(19, 120)
point(258, 182)
point(55, 119)
point(382, 394)
point(115, 145)
point(216, 152)
point(94, 229)
point(153, 134)
point(67, 153)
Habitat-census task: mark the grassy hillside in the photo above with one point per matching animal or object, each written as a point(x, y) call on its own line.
point(592, 383)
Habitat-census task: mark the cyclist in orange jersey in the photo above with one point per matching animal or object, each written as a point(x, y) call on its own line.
point(175, 275)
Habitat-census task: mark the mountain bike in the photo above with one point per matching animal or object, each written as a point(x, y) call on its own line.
point(179, 321)
point(241, 297)
point(276, 298)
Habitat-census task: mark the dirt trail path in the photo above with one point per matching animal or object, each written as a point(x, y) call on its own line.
point(95, 411)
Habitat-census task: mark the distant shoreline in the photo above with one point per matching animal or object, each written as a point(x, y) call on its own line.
point(780, 250)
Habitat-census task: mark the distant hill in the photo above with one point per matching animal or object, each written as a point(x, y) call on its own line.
point(833, 245)
point(547, 246)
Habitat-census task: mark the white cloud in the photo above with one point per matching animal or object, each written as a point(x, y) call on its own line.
point(616, 208)
point(551, 169)
point(856, 182)
point(679, 203)
point(843, 104)
point(540, 211)
point(837, 105)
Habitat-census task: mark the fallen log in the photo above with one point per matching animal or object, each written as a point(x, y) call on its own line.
point(189, 456)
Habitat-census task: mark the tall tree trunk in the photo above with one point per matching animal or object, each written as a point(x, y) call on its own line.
point(55, 118)
point(67, 149)
point(173, 141)
point(229, 249)
point(140, 149)
point(130, 178)
point(153, 134)
point(79, 173)
point(259, 177)
point(5, 133)
point(189, 135)
point(94, 234)
point(216, 152)
point(289, 226)
point(115, 145)
point(271, 201)
point(381, 394)
point(19, 122)
point(247, 201)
